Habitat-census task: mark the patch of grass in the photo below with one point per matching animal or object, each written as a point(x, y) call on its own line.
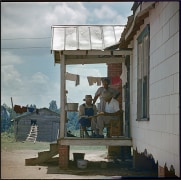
point(9, 143)
point(24, 145)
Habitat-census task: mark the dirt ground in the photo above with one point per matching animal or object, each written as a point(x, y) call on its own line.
point(13, 167)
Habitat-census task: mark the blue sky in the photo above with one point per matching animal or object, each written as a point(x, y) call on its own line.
point(28, 72)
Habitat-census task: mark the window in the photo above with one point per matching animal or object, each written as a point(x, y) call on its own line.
point(143, 75)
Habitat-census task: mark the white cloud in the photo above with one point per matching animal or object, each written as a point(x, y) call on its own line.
point(40, 78)
point(10, 77)
point(105, 13)
point(24, 75)
point(65, 13)
point(35, 19)
point(36, 90)
point(7, 58)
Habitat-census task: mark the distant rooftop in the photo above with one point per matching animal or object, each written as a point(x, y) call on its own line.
point(85, 37)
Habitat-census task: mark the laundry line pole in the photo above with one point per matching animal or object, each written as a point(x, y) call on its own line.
point(12, 107)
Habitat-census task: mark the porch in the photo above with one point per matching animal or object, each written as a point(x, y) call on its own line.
point(92, 48)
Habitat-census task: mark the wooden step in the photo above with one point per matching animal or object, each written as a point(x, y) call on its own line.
point(54, 147)
point(31, 161)
point(47, 154)
point(44, 156)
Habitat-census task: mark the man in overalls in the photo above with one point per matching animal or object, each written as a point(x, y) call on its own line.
point(86, 112)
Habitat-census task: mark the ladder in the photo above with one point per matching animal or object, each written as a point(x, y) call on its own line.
point(33, 134)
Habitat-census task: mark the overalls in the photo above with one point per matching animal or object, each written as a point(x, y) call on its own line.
point(88, 112)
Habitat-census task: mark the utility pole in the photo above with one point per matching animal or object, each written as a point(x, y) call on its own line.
point(12, 107)
point(12, 102)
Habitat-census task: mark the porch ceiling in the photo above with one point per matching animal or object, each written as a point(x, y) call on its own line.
point(91, 56)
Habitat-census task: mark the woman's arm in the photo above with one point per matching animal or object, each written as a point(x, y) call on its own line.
point(95, 98)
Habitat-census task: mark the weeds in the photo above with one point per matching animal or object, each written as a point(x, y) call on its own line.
point(8, 135)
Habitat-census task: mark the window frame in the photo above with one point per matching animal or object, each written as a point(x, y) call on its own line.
point(143, 74)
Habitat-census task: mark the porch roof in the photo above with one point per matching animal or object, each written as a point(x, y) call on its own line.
point(87, 44)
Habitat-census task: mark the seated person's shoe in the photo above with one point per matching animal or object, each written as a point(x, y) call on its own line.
point(87, 136)
point(99, 136)
point(108, 136)
point(93, 135)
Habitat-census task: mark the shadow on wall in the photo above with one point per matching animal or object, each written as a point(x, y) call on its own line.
point(145, 161)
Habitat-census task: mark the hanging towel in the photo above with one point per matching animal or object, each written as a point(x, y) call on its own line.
point(93, 80)
point(30, 109)
point(24, 109)
point(72, 77)
point(99, 81)
point(17, 109)
point(115, 80)
point(77, 82)
point(124, 74)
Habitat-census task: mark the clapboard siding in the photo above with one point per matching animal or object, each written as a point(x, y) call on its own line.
point(48, 123)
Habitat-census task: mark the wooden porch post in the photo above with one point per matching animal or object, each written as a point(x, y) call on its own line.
point(62, 92)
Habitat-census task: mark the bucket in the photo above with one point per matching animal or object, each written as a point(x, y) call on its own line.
point(71, 106)
point(82, 164)
point(78, 156)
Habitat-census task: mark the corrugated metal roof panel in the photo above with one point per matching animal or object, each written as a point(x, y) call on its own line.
point(85, 37)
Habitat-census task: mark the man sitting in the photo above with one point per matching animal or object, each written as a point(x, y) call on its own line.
point(86, 112)
point(111, 113)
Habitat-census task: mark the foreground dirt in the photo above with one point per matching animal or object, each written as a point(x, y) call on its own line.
point(13, 167)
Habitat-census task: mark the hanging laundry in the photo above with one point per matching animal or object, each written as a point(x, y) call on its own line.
point(72, 77)
point(124, 74)
point(93, 80)
point(30, 109)
point(24, 109)
point(115, 80)
point(77, 82)
point(17, 109)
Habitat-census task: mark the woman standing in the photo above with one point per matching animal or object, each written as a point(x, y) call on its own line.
point(101, 90)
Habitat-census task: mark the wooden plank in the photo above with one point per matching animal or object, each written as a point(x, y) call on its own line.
point(74, 52)
point(96, 52)
point(95, 60)
point(123, 52)
point(31, 161)
point(99, 52)
point(96, 142)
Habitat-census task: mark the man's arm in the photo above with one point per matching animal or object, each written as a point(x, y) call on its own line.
point(81, 111)
point(110, 114)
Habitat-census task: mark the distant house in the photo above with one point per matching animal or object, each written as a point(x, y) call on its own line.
point(48, 123)
point(152, 32)
point(5, 119)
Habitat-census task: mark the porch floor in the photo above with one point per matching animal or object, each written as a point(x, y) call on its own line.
point(113, 141)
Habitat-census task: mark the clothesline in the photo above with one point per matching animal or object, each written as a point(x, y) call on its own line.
point(20, 110)
point(92, 80)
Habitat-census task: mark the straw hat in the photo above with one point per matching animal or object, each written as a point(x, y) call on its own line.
point(87, 97)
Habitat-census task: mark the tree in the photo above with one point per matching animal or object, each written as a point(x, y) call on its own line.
point(5, 119)
point(53, 106)
point(9, 109)
point(72, 123)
